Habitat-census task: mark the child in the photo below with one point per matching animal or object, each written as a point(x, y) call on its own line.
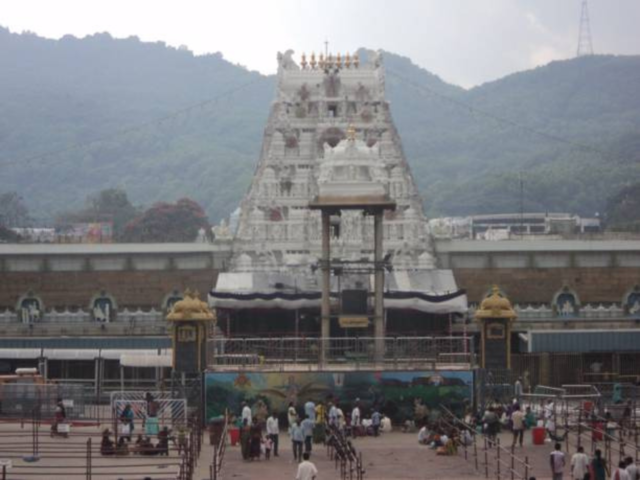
point(268, 445)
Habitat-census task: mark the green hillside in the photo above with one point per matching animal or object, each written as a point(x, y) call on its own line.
point(56, 94)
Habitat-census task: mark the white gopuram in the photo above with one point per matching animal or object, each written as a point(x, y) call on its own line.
point(330, 127)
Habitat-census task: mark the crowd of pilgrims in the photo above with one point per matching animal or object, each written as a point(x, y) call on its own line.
point(306, 426)
point(143, 444)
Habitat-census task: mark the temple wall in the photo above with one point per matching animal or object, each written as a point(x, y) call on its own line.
point(135, 275)
point(534, 271)
point(130, 289)
point(142, 275)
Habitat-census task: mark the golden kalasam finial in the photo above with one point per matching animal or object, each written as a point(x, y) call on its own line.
point(339, 60)
point(321, 62)
point(356, 60)
point(347, 60)
point(330, 60)
point(351, 133)
point(313, 60)
point(303, 61)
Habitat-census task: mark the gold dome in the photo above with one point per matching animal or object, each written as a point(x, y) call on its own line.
point(496, 306)
point(190, 308)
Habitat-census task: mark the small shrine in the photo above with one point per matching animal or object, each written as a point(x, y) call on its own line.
point(190, 319)
point(495, 317)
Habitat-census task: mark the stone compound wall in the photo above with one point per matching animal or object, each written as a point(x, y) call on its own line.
point(130, 289)
point(135, 275)
point(534, 271)
point(539, 285)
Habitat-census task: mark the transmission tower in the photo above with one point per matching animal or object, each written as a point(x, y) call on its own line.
point(585, 44)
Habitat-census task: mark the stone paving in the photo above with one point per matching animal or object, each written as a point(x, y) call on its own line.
point(66, 458)
point(392, 456)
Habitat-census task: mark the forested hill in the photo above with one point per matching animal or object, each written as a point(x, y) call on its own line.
point(467, 149)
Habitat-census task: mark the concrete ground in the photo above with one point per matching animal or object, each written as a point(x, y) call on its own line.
point(66, 458)
point(392, 456)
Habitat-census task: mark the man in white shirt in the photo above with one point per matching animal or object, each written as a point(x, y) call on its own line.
point(557, 462)
point(273, 431)
point(333, 415)
point(423, 435)
point(306, 470)
point(355, 419)
point(246, 413)
point(310, 410)
point(632, 469)
point(517, 420)
point(579, 464)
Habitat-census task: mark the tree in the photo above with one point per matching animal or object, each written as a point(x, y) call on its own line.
point(623, 210)
point(110, 205)
point(13, 210)
point(167, 222)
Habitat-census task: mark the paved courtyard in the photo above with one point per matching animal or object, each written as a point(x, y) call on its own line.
point(391, 456)
point(66, 458)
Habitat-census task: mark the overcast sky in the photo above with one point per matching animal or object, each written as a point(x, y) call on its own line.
point(466, 42)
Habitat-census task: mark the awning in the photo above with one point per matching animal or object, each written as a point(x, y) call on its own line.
point(70, 353)
point(145, 360)
point(429, 291)
point(20, 353)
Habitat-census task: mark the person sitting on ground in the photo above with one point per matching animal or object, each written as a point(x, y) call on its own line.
point(147, 448)
point(385, 424)
point(466, 439)
point(409, 426)
point(424, 435)
point(135, 449)
point(106, 446)
point(122, 448)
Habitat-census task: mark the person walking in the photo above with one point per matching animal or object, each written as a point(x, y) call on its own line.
point(356, 419)
point(557, 462)
point(307, 430)
point(297, 439)
point(620, 473)
point(273, 431)
point(375, 422)
point(599, 470)
point(632, 469)
point(580, 465)
point(517, 422)
point(333, 415)
point(246, 414)
point(310, 410)
point(306, 470)
point(292, 415)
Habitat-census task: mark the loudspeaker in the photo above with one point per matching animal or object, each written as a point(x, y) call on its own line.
point(354, 302)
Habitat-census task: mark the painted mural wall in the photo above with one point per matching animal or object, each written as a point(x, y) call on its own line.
point(401, 395)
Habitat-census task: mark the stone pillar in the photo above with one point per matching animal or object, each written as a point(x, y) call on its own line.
point(326, 284)
point(378, 315)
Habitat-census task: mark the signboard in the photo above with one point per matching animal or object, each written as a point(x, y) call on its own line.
point(354, 322)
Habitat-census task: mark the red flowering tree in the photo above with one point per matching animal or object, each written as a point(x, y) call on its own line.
point(168, 222)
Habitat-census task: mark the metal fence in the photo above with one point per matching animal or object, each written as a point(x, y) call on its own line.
point(17, 400)
point(398, 351)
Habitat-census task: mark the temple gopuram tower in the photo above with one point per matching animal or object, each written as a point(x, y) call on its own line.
point(319, 103)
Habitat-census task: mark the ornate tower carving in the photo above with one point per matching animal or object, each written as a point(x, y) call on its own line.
point(333, 108)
